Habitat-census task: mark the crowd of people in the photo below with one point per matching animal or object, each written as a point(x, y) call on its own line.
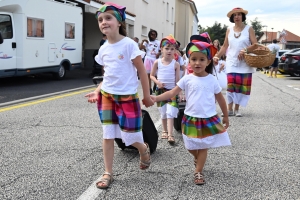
point(202, 71)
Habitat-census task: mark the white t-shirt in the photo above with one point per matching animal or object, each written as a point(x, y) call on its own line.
point(120, 75)
point(152, 48)
point(200, 95)
point(274, 48)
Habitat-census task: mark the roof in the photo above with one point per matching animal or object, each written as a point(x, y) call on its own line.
point(289, 37)
point(102, 2)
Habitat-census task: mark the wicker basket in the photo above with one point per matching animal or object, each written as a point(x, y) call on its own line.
point(262, 58)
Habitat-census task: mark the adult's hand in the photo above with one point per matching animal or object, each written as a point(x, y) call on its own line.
point(241, 54)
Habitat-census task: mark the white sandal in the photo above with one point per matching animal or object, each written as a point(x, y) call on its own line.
point(105, 181)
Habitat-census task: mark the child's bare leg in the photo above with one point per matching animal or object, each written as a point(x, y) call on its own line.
point(149, 79)
point(171, 139)
point(164, 124)
point(230, 106)
point(144, 157)
point(170, 126)
point(236, 107)
point(201, 159)
point(194, 153)
point(108, 154)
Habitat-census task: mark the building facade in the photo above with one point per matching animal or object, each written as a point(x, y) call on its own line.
point(176, 17)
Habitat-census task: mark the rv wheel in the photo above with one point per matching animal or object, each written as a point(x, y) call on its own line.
point(61, 73)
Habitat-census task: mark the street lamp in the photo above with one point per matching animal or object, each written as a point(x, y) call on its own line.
point(266, 34)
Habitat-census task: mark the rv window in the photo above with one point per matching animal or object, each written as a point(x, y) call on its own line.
point(69, 30)
point(6, 27)
point(35, 27)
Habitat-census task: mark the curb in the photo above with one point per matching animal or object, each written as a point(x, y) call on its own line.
point(42, 96)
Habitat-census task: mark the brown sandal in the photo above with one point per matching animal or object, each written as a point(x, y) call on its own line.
point(145, 164)
point(171, 139)
point(164, 135)
point(105, 181)
point(199, 178)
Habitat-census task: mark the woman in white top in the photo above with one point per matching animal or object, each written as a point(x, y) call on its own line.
point(239, 74)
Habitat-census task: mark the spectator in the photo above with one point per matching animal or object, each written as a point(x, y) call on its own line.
point(274, 47)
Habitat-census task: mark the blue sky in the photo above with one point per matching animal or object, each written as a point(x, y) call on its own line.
point(279, 15)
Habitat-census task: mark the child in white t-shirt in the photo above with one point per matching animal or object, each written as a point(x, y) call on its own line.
point(165, 74)
point(117, 98)
point(201, 126)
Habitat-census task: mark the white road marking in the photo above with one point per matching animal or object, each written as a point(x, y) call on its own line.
point(93, 192)
point(294, 86)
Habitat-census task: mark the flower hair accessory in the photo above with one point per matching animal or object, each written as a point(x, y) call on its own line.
point(119, 11)
point(168, 40)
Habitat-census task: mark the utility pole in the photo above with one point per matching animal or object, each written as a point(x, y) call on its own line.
point(272, 34)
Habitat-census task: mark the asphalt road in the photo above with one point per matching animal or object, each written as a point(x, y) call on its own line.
point(16, 88)
point(52, 149)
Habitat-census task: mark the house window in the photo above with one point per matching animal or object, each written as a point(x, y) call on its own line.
point(6, 27)
point(35, 27)
point(144, 30)
point(167, 17)
point(69, 30)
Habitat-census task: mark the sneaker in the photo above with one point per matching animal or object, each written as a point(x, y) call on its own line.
point(238, 113)
point(230, 113)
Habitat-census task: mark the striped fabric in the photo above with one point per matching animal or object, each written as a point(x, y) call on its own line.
point(200, 128)
point(124, 110)
point(172, 101)
point(239, 83)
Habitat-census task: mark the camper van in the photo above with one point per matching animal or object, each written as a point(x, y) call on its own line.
point(38, 36)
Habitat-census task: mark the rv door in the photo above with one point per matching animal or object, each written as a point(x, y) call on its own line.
point(8, 47)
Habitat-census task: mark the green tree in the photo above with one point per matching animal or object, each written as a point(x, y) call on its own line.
point(257, 26)
point(200, 29)
point(216, 31)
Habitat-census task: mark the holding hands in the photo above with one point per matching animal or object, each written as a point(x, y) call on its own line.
point(148, 101)
point(92, 96)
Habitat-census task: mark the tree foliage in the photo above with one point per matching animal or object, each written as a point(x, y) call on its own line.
point(257, 26)
point(217, 31)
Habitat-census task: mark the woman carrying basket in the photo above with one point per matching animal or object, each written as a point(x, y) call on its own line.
point(239, 74)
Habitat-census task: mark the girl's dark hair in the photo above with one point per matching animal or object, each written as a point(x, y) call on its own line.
point(152, 31)
point(122, 28)
point(243, 18)
point(181, 52)
point(209, 68)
